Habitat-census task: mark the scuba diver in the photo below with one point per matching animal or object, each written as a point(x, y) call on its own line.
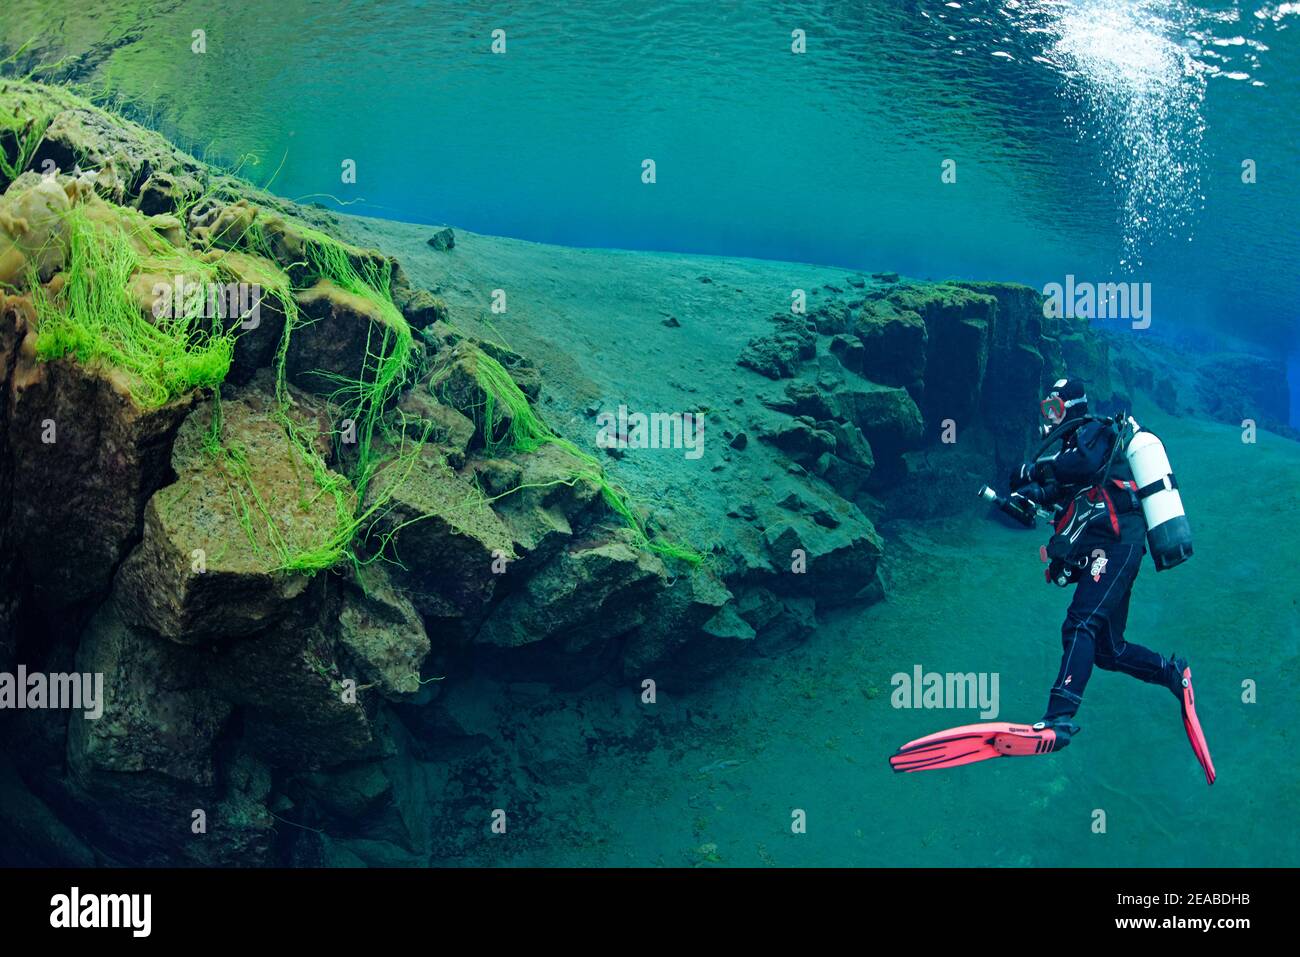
point(1110, 492)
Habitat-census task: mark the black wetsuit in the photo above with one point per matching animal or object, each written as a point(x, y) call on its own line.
point(1093, 631)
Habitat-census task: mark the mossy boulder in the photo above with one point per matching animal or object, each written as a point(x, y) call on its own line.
point(464, 377)
point(32, 229)
point(212, 560)
point(338, 333)
point(257, 336)
point(421, 416)
point(779, 354)
point(85, 459)
point(894, 344)
point(590, 593)
point(380, 630)
point(445, 536)
point(553, 498)
point(88, 138)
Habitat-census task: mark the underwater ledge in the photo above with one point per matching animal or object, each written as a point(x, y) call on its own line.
point(302, 538)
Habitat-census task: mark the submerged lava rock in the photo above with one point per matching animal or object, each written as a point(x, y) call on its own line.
point(144, 768)
point(380, 630)
point(211, 561)
point(445, 536)
point(888, 418)
point(778, 355)
point(85, 459)
point(958, 324)
point(584, 597)
point(147, 170)
point(894, 344)
point(443, 239)
point(304, 704)
point(339, 332)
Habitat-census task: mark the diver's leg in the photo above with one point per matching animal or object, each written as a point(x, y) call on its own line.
point(1087, 626)
point(1113, 653)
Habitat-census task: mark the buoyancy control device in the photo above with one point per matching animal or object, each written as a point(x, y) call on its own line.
point(1169, 536)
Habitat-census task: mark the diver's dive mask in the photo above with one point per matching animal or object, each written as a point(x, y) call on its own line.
point(1053, 410)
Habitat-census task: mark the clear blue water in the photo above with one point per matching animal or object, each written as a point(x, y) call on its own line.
point(1101, 138)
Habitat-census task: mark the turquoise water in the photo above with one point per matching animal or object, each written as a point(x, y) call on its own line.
point(1098, 138)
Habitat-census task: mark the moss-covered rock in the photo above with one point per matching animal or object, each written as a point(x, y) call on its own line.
point(445, 536)
point(894, 344)
point(380, 630)
point(587, 595)
point(85, 458)
point(214, 558)
point(778, 355)
point(32, 229)
point(959, 325)
point(150, 760)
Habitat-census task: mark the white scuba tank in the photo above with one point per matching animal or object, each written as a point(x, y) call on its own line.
point(1169, 536)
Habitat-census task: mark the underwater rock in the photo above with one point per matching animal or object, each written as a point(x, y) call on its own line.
point(802, 440)
point(218, 543)
point(35, 835)
point(778, 355)
point(88, 138)
point(143, 769)
point(588, 594)
point(381, 631)
point(888, 418)
point(338, 334)
point(1234, 387)
point(684, 619)
point(850, 351)
point(828, 564)
point(779, 622)
point(446, 536)
point(32, 227)
point(421, 415)
point(85, 459)
point(556, 497)
point(894, 344)
point(443, 239)
point(304, 706)
point(831, 318)
point(958, 324)
point(1024, 356)
point(420, 307)
point(255, 344)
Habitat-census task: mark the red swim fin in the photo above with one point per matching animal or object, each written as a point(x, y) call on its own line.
point(979, 742)
point(1192, 725)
